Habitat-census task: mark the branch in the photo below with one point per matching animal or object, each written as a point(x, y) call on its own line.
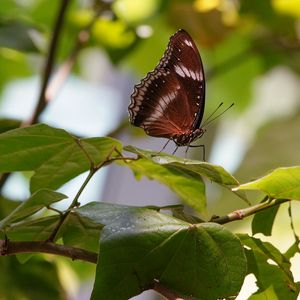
point(12, 248)
point(64, 70)
point(42, 102)
point(246, 212)
point(93, 170)
point(170, 295)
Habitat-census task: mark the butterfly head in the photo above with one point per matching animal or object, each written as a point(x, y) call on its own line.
point(186, 139)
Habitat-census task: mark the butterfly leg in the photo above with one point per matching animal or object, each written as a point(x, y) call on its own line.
point(186, 151)
point(175, 150)
point(164, 147)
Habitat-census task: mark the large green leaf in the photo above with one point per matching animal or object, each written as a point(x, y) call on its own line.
point(80, 232)
point(212, 172)
point(8, 124)
point(204, 261)
point(25, 149)
point(183, 176)
point(188, 185)
point(71, 161)
point(280, 183)
point(277, 275)
point(54, 155)
point(36, 202)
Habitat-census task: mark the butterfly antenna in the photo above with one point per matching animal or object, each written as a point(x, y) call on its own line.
point(209, 120)
point(209, 117)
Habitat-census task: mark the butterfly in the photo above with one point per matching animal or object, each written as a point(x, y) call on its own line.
point(169, 101)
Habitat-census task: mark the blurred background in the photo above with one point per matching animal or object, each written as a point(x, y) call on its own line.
point(251, 55)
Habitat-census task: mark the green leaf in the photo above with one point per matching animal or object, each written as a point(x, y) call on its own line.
point(281, 183)
point(267, 276)
point(277, 275)
point(267, 294)
point(81, 233)
point(7, 206)
point(32, 230)
point(25, 149)
point(54, 155)
point(8, 124)
point(71, 161)
point(15, 34)
point(263, 221)
point(183, 176)
point(186, 184)
point(194, 260)
point(212, 172)
point(294, 249)
point(36, 202)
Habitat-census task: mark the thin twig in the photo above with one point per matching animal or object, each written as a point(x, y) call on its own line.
point(297, 240)
point(64, 70)
point(246, 212)
point(93, 170)
point(42, 101)
point(74, 203)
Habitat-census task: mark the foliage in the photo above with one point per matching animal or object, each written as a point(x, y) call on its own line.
point(203, 260)
point(177, 250)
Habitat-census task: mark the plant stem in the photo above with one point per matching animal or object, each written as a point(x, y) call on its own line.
point(64, 70)
point(89, 177)
point(292, 223)
point(42, 101)
point(12, 248)
point(248, 211)
point(74, 203)
point(93, 170)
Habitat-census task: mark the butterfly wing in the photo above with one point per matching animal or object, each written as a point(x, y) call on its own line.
point(169, 101)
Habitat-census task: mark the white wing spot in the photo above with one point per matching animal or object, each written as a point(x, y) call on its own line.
point(189, 43)
point(186, 71)
point(159, 109)
point(179, 71)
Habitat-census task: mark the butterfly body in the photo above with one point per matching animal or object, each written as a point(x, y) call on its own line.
point(169, 101)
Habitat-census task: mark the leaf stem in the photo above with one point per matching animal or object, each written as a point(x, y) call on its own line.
point(88, 178)
point(292, 223)
point(246, 212)
point(93, 170)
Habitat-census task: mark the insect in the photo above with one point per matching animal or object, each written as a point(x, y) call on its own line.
point(169, 101)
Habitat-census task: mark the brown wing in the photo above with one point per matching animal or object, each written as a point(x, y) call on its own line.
point(169, 101)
